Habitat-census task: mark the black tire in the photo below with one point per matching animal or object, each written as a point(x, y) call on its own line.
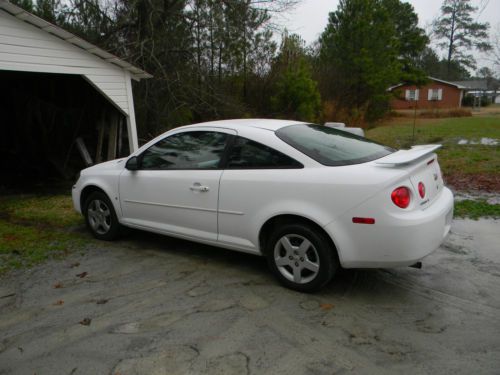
point(286, 261)
point(100, 217)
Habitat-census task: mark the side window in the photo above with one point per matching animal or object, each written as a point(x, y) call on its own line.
point(190, 150)
point(247, 154)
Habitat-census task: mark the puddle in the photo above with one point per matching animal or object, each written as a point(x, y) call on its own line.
point(484, 141)
point(490, 198)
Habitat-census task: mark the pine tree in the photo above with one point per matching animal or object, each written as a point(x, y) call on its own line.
point(460, 33)
point(359, 47)
point(297, 96)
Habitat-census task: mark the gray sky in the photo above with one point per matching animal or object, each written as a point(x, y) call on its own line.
point(311, 16)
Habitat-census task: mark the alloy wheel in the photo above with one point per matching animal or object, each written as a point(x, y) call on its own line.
point(99, 216)
point(296, 258)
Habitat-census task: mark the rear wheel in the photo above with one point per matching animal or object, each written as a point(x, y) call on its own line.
point(301, 257)
point(100, 217)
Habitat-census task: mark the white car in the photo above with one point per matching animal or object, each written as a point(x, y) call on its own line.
point(308, 197)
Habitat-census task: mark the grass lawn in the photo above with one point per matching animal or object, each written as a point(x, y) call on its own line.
point(474, 209)
point(464, 166)
point(36, 228)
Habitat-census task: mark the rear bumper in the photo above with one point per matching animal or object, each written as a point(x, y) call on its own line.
point(394, 240)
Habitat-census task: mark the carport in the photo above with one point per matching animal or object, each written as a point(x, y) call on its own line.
point(65, 103)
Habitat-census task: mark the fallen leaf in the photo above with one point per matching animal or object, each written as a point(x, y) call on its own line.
point(326, 306)
point(82, 275)
point(85, 322)
point(57, 285)
point(73, 265)
point(101, 301)
point(58, 303)
point(10, 237)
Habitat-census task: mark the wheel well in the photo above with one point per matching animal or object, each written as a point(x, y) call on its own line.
point(276, 221)
point(86, 193)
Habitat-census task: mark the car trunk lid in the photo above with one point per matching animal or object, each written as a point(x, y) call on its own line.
point(421, 164)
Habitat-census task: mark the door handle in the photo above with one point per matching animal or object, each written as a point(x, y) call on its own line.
point(199, 187)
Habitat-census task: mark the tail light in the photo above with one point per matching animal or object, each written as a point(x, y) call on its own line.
point(401, 197)
point(421, 189)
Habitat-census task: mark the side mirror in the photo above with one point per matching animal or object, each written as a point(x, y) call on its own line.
point(132, 164)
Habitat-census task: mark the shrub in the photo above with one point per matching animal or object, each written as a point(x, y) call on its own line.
point(468, 101)
point(454, 112)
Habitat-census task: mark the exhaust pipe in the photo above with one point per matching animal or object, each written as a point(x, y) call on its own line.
point(417, 265)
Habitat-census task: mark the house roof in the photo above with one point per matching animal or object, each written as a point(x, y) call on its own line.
point(474, 84)
point(50, 28)
point(456, 84)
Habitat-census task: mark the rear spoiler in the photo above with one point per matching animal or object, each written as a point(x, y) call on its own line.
point(408, 156)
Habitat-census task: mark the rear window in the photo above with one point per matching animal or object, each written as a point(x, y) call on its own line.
point(330, 146)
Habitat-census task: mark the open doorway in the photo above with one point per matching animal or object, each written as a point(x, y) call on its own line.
point(52, 126)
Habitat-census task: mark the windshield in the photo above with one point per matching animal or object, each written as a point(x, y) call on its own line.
point(330, 146)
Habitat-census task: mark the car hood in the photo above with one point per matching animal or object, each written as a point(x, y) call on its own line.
point(107, 165)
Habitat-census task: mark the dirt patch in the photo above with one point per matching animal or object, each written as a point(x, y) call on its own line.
point(478, 181)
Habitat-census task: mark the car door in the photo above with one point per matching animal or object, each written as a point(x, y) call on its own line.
point(175, 189)
point(256, 177)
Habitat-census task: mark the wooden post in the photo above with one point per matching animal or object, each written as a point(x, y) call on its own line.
point(131, 126)
point(113, 133)
point(100, 139)
point(120, 136)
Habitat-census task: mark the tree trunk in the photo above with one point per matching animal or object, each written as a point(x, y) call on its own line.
point(450, 45)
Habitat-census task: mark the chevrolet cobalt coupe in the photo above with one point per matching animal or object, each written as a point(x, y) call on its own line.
point(308, 197)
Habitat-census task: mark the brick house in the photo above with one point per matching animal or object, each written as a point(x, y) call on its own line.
point(436, 94)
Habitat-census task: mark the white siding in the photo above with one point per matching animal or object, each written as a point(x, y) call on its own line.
point(24, 47)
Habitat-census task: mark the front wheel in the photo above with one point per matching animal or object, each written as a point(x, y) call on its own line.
point(100, 217)
point(301, 257)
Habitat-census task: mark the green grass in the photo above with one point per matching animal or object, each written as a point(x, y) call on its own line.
point(36, 228)
point(474, 209)
point(453, 158)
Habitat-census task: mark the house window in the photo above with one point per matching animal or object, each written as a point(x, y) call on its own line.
point(435, 94)
point(412, 94)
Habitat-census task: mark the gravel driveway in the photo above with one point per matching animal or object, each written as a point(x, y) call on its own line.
point(156, 305)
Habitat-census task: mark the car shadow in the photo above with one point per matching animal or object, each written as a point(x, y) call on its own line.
point(189, 249)
point(360, 282)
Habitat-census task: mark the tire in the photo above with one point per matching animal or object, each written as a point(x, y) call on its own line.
point(100, 217)
point(301, 257)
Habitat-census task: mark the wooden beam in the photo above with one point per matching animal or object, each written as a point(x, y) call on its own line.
point(113, 134)
point(131, 126)
point(100, 140)
point(80, 145)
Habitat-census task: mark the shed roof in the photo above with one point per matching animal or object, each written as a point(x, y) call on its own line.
point(474, 84)
point(50, 28)
point(456, 84)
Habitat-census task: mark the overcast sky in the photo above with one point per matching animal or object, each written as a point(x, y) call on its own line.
point(311, 16)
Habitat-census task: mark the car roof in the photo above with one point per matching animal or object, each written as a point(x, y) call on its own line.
point(267, 124)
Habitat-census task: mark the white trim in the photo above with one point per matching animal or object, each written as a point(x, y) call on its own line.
point(131, 125)
point(446, 82)
point(68, 37)
point(430, 78)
